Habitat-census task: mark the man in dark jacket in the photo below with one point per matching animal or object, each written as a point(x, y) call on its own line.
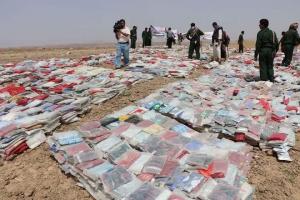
point(241, 42)
point(133, 37)
point(291, 39)
point(144, 37)
point(266, 48)
point(193, 35)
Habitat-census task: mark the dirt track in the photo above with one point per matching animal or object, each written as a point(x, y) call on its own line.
point(35, 175)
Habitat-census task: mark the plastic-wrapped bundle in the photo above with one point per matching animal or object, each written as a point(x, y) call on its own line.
point(166, 149)
point(127, 189)
point(139, 138)
point(191, 181)
point(231, 174)
point(128, 159)
point(154, 129)
point(115, 178)
point(95, 172)
point(150, 145)
point(201, 161)
point(145, 192)
point(107, 144)
point(138, 165)
point(131, 132)
point(118, 151)
point(155, 165)
point(69, 137)
point(224, 192)
point(88, 126)
point(207, 189)
point(169, 168)
point(85, 157)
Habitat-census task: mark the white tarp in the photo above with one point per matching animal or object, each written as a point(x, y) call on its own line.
point(207, 36)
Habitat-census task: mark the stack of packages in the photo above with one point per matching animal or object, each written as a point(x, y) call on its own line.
point(36, 97)
point(260, 113)
point(154, 61)
point(162, 62)
point(137, 153)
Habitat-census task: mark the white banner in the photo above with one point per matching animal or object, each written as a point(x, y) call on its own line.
point(158, 31)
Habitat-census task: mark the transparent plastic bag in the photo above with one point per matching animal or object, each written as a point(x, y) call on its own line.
point(155, 165)
point(115, 178)
point(118, 151)
point(145, 192)
point(224, 192)
point(201, 161)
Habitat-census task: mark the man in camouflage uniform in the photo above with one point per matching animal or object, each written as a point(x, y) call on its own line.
point(266, 48)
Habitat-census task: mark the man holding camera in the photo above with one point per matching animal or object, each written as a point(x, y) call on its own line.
point(123, 36)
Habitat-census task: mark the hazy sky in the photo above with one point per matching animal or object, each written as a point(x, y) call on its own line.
point(41, 22)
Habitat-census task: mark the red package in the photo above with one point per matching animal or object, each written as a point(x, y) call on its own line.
point(206, 172)
point(23, 102)
point(240, 137)
point(168, 135)
point(89, 164)
point(18, 150)
point(169, 168)
point(41, 96)
point(181, 154)
point(13, 90)
point(111, 75)
point(276, 118)
point(291, 108)
point(146, 177)
point(286, 101)
point(7, 129)
point(175, 197)
point(219, 168)
point(181, 65)
point(74, 149)
point(144, 124)
point(19, 71)
point(248, 62)
point(236, 92)
point(71, 71)
point(265, 104)
point(128, 159)
point(277, 136)
point(9, 65)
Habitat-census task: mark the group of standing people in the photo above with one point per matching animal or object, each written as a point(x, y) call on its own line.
point(289, 40)
point(266, 45)
point(220, 41)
